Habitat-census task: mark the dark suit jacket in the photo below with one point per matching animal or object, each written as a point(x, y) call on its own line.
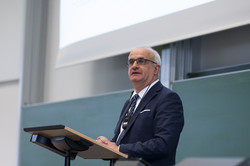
point(154, 130)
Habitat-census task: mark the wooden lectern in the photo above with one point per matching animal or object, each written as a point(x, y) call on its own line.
point(70, 143)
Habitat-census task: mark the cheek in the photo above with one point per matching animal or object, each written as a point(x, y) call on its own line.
point(129, 71)
point(149, 73)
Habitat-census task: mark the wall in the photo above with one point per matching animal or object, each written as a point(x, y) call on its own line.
point(216, 110)
point(85, 79)
point(221, 49)
point(11, 32)
point(9, 122)
point(12, 14)
point(224, 48)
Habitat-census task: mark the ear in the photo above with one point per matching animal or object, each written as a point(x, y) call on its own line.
point(157, 69)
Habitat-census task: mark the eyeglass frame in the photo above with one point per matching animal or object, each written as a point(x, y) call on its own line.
point(144, 61)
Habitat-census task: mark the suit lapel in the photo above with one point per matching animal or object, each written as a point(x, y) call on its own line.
point(123, 113)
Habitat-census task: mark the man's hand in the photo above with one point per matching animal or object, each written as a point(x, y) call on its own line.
point(105, 141)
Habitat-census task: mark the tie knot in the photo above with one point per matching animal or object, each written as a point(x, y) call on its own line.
point(134, 98)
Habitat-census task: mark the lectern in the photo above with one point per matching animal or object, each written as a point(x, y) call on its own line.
point(70, 143)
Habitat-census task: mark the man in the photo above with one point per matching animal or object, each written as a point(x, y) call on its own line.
point(153, 129)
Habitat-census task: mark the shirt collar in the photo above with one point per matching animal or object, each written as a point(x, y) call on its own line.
point(144, 91)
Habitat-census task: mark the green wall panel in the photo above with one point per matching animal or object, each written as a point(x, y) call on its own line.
point(217, 116)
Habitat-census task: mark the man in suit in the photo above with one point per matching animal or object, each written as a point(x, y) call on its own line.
point(152, 130)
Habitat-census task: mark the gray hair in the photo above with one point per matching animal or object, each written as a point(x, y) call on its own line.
point(156, 55)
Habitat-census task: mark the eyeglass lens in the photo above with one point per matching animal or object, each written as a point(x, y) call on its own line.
point(139, 61)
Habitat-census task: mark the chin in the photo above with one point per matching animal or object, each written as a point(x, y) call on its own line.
point(135, 80)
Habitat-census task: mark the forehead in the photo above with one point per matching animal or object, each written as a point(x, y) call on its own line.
point(141, 53)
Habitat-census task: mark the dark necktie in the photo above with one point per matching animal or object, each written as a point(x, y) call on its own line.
point(133, 104)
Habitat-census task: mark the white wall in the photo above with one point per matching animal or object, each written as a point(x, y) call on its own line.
point(85, 79)
point(11, 41)
point(9, 122)
point(11, 31)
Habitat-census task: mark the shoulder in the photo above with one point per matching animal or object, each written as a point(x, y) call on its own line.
point(159, 87)
point(164, 92)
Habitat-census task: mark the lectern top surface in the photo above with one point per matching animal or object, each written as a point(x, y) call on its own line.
point(96, 151)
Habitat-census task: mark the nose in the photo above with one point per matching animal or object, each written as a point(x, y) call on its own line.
point(134, 67)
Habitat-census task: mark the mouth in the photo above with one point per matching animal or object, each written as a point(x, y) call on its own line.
point(135, 73)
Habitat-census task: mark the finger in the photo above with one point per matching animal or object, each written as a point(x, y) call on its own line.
point(103, 139)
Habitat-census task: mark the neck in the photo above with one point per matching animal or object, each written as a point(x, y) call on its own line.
point(139, 86)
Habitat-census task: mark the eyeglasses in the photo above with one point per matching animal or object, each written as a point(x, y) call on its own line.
point(139, 61)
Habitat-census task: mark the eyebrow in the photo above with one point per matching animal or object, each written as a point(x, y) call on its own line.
point(138, 58)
